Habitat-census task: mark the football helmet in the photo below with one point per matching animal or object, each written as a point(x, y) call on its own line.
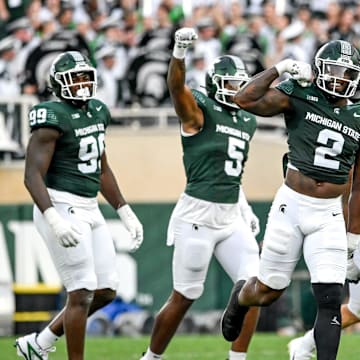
point(226, 69)
point(337, 68)
point(72, 77)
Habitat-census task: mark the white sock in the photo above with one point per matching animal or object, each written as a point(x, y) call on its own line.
point(46, 338)
point(233, 355)
point(308, 341)
point(149, 355)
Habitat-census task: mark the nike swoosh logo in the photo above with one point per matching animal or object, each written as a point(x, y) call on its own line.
point(356, 115)
point(246, 119)
point(336, 214)
point(98, 108)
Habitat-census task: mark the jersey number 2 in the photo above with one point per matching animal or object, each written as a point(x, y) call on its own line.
point(322, 153)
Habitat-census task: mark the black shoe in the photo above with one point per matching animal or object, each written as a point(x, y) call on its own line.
point(233, 316)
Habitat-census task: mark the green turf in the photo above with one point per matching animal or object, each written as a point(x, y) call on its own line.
point(200, 347)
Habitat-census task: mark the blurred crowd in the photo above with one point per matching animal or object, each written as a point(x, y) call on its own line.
point(130, 41)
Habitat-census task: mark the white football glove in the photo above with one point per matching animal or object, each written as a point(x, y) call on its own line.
point(184, 38)
point(65, 232)
point(352, 271)
point(133, 225)
point(353, 241)
point(299, 70)
point(247, 214)
point(251, 220)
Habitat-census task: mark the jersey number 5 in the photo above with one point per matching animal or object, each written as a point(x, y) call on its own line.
point(235, 152)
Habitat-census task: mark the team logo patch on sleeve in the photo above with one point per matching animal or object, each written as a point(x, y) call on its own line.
point(286, 86)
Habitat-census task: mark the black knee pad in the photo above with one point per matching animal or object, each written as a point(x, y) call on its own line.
point(328, 296)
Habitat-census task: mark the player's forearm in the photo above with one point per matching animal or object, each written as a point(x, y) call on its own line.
point(36, 187)
point(256, 88)
point(109, 188)
point(354, 208)
point(176, 75)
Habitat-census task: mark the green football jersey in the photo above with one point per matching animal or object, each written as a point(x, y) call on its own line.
point(214, 158)
point(76, 165)
point(323, 139)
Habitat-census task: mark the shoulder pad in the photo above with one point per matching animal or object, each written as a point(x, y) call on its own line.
point(286, 86)
point(47, 114)
point(199, 96)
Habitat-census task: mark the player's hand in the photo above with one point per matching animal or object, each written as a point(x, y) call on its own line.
point(185, 37)
point(133, 225)
point(251, 220)
point(353, 241)
point(352, 271)
point(65, 232)
point(300, 71)
point(247, 213)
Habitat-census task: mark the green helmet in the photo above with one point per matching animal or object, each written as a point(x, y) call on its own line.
point(73, 77)
point(225, 69)
point(337, 63)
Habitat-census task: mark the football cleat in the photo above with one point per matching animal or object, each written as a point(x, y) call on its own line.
point(28, 348)
point(233, 316)
point(297, 351)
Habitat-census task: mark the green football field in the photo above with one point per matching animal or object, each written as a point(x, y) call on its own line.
point(200, 347)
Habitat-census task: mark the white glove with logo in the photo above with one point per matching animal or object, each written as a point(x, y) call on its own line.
point(132, 224)
point(247, 214)
point(65, 232)
point(184, 38)
point(300, 71)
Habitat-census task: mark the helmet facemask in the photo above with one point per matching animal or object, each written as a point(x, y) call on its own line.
point(332, 74)
point(223, 94)
point(73, 89)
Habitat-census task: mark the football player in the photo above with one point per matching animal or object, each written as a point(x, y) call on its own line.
point(212, 215)
point(306, 215)
point(65, 169)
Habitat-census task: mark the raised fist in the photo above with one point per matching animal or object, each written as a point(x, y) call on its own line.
point(184, 37)
point(300, 71)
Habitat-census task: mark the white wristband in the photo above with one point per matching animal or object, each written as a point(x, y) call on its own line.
point(51, 215)
point(282, 66)
point(179, 52)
